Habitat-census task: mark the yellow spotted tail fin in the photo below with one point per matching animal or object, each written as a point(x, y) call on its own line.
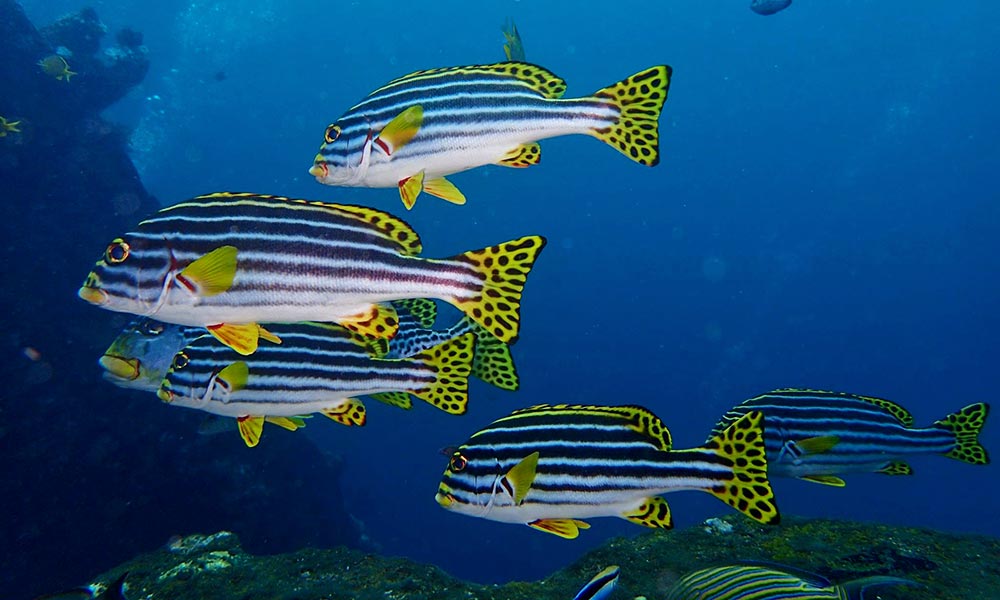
point(748, 491)
point(966, 425)
point(491, 359)
point(452, 364)
point(639, 100)
point(504, 269)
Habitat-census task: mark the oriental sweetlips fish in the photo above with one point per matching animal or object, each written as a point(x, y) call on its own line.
point(491, 360)
point(229, 261)
point(320, 368)
point(550, 465)
point(415, 130)
point(816, 435)
point(770, 582)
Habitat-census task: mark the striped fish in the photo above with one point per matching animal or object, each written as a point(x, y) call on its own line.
point(770, 582)
point(815, 435)
point(491, 358)
point(413, 131)
point(229, 261)
point(550, 466)
point(320, 368)
point(143, 352)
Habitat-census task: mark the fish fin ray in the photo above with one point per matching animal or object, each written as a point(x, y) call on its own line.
point(440, 187)
point(242, 337)
point(817, 445)
point(521, 476)
point(639, 99)
point(522, 156)
point(350, 412)
point(397, 399)
point(250, 428)
point(400, 130)
point(410, 188)
point(565, 528)
point(748, 490)
point(653, 512)
point(212, 273)
point(966, 425)
point(289, 423)
point(452, 364)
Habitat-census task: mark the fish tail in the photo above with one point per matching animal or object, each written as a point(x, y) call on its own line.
point(491, 358)
point(966, 425)
point(504, 268)
point(639, 100)
point(748, 490)
point(452, 364)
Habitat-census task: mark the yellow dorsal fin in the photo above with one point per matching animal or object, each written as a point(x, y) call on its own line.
point(653, 512)
point(350, 412)
point(817, 445)
point(444, 189)
point(397, 399)
point(250, 429)
point(375, 320)
point(522, 156)
point(400, 130)
point(410, 188)
point(242, 338)
point(289, 423)
point(520, 477)
point(637, 418)
point(537, 78)
point(423, 309)
point(565, 528)
point(901, 414)
point(234, 377)
point(831, 480)
point(211, 274)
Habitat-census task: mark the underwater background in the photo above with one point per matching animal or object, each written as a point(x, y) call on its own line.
point(825, 215)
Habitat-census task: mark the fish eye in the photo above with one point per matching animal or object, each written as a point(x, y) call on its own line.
point(117, 251)
point(332, 133)
point(181, 361)
point(152, 328)
point(458, 462)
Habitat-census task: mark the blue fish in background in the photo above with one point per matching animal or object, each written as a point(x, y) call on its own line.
point(601, 586)
point(769, 7)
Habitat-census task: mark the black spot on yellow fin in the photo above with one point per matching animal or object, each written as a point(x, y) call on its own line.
point(653, 512)
point(522, 156)
point(376, 320)
point(748, 489)
point(397, 399)
point(831, 480)
point(423, 309)
point(565, 528)
point(537, 78)
point(491, 360)
point(896, 468)
point(639, 100)
point(452, 364)
point(350, 412)
point(966, 425)
point(504, 270)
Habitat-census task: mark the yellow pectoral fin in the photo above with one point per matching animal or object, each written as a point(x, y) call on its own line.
point(522, 156)
point(825, 480)
point(376, 320)
point(409, 189)
point(211, 274)
point(234, 377)
point(242, 338)
point(444, 189)
point(817, 445)
point(521, 476)
point(250, 429)
point(400, 130)
point(564, 528)
point(350, 413)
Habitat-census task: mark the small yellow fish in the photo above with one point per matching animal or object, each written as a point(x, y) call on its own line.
point(513, 47)
point(56, 66)
point(8, 126)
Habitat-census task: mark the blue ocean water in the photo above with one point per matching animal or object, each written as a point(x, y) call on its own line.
point(825, 215)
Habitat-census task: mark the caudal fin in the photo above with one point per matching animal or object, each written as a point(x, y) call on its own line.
point(504, 269)
point(452, 364)
point(749, 491)
point(639, 100)
point(966, 425)
point(491, 359)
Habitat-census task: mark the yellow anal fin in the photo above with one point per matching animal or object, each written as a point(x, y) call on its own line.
point(423, 310)
point(232, 378)
point(653, 512)
point(250, 429)
point(397, 399)
point(491, 360)
point(748, 489)
point(399, 131)
point(350, 412)
point(289, 423)
point(242, 338)
point(565, 528)
point(211, 274)
point(376, 320)
point(504, 269)
point(896, 467)
point(966, 425)
point(522, 156)
point(831, 480)
point(410, 188)
point(444, 189)
point(639, 100)
point(451, 362)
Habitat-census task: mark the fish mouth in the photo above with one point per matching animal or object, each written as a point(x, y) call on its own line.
point(93, 295)
point(165, 394)
point(121, 367)
point(319, 170)
point(444, 499)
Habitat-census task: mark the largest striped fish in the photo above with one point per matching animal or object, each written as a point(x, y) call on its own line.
point(770, 582)
point(413, 131)
point(549, 466)
point(229, 261)
point(816, 435)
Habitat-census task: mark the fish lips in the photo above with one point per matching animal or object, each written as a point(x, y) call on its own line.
point(444, 499)
point(93, 295)
point(119, 367)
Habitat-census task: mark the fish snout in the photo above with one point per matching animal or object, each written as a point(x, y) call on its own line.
point(120, 367)
point(165, 393)
point(319, 169)
point(93, 295)
point(444, 498)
